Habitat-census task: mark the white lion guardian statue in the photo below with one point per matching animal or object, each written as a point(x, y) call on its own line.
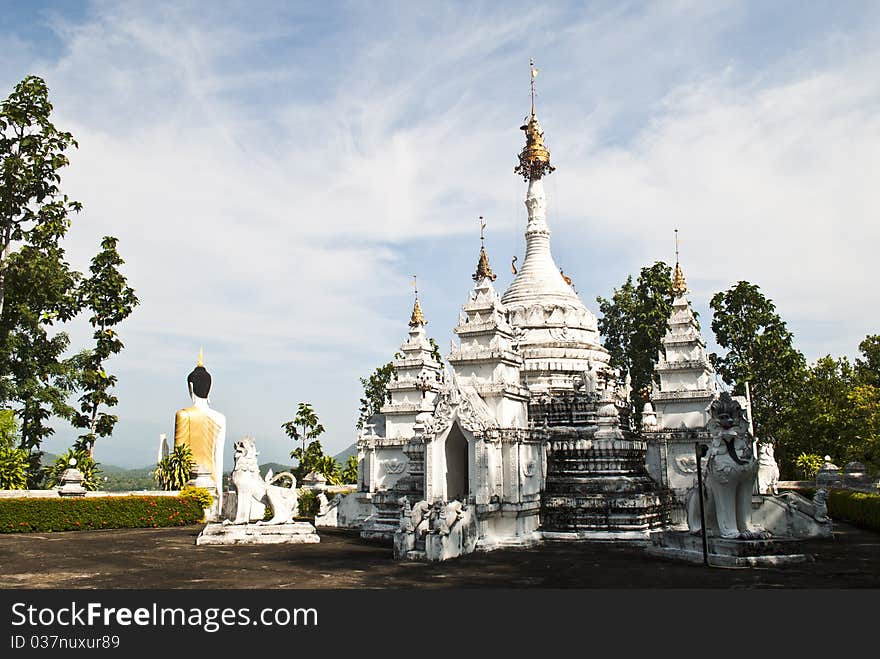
point(729, 474)
point(250, 487)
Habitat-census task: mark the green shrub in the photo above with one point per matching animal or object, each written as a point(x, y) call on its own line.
point(14, 462)
point(808, 465)
point(349, 471)
point(175, 469)
point(81, 513)
point(200, 494)
point(308, 503)
point(859, 508)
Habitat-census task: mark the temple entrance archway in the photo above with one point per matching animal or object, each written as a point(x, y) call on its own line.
point(456, 465)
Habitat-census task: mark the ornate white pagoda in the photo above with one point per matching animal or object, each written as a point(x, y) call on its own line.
point(677, 414)
point(385, 460)
point(529, 437)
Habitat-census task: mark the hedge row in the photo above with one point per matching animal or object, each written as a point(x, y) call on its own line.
point(79, 514)
point(859, 508)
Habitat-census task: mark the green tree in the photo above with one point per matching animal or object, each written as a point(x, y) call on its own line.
point(836, 411)
point(820, 408)
point(349, 472)
point(110, 300)
point(864, 407)
point(175, 469)
point(13, 461)
point(305, 426)
point(35, 377)
point(32, 152)
point(633, 323)
point(312, 459)
point(375, 392)
point(81, 459)
point(760, 351)
point(37, 286)
point(808, 465)
point(868, 365)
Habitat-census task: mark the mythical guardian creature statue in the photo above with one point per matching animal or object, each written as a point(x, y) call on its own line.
point(250, 487)
point(728, 475)
point(768, 470)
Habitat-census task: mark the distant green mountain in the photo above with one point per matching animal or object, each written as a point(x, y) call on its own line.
point(122, 479)
point(342, 456)
point(276, 468)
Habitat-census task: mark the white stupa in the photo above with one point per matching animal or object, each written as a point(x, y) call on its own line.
point(687, 385)
point(559, 336)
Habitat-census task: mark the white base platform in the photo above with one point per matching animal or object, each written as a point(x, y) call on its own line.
point(258, 534)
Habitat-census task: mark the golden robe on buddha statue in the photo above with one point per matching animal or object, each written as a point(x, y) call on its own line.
point(202, 429)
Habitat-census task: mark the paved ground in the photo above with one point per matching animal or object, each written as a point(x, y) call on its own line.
point(168, 558)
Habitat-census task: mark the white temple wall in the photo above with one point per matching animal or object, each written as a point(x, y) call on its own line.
point(684, 381)
point(509, 413)
point(402, 426)
point(675, 414)
point(383, 466)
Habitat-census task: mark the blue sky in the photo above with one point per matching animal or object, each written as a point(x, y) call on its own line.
point(276, 172)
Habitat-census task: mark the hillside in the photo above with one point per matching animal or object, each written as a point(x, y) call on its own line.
point(343, 455)
point(122, 479)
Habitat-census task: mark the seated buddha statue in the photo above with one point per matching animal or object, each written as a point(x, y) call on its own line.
point(203, 430)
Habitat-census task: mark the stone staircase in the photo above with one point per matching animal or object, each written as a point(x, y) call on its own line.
point(600, 489)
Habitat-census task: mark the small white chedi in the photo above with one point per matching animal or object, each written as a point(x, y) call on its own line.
point(677, 413)
point(253, 494)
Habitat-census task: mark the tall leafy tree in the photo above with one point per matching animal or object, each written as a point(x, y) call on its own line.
point(760, 351)
point(37, 286)
point(110, 300)
point(305, 427)
point(820, 411)
point(375, 393)
point(32, 152)
point(868, 365)
point(633, 323)
point(35, 378)
point(313, 459)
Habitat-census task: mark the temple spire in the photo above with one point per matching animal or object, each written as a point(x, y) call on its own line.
point(484, 270)
point(418, 318)
point(533, 73)
point(679, 285)
point(534, 159)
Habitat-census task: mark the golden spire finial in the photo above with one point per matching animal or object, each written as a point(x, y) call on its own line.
point(417, 318)
point(679, 285)
point(533, 73)
point(201, 361)
point(484, 270)
point(534, 159)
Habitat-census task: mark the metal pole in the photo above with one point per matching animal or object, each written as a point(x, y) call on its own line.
point(700, 450)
